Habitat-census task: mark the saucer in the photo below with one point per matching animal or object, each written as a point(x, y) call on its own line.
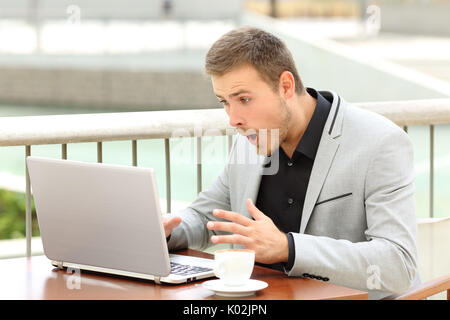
point(247, 289)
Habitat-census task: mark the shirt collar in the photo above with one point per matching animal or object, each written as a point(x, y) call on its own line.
point(309, 143)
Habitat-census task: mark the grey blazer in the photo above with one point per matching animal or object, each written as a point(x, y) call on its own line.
point(358, 226)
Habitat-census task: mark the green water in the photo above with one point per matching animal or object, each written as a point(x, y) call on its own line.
point(214, 152)
point(150, 154)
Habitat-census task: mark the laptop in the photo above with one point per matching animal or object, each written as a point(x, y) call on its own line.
point(106, 218)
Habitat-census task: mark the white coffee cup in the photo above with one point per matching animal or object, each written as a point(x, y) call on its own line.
point(234, 266)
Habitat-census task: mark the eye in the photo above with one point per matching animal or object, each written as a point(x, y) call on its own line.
point(245, 99)
point(224, 102)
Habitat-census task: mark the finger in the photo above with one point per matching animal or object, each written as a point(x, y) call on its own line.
point(254, 211)
point(227, 227)
point(231, 239)
point(170, 223)
point(232, 216)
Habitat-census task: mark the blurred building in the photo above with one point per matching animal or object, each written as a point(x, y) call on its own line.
point(115, 54)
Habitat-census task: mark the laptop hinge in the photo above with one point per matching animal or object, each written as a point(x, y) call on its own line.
point(157, 280)
point(59, 264)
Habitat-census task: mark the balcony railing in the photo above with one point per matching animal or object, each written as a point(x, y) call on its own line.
point(65, 129)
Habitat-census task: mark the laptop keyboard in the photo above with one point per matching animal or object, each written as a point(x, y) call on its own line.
point(184, 269)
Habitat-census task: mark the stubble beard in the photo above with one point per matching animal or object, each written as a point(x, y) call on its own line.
point(280, 134)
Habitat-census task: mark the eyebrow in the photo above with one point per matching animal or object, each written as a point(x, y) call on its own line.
point(235, 93)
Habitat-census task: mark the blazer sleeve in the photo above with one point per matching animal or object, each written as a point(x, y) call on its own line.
point(387, 260)
point(192, 231)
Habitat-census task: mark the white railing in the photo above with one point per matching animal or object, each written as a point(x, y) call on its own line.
point(133, 126)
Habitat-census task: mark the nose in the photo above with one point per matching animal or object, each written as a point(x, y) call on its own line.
point(236, 119)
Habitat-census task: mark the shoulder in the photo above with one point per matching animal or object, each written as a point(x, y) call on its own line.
point(356, 116)
point(364, 124)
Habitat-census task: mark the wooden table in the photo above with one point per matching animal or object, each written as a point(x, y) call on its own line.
point(36, 278)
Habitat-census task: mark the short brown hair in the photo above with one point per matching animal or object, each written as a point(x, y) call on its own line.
point(265, 52)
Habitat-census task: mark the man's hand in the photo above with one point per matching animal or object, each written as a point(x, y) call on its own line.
point(170, 223)
point(261, 235)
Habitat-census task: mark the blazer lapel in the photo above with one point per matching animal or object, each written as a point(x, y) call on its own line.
point(328, 146)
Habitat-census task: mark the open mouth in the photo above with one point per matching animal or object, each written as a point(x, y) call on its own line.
point(253, 138)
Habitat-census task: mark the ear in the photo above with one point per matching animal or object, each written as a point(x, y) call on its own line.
point(287, 84)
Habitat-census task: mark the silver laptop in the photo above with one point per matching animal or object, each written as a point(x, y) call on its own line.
point(106, 218)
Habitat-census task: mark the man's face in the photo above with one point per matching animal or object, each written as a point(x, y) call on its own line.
point(253, 107)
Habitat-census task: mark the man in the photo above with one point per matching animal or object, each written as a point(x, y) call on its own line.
point(339, 205)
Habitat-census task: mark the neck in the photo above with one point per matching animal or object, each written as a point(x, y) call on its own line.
point(302, 108)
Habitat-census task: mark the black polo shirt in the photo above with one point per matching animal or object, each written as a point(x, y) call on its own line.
point(281, 196)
